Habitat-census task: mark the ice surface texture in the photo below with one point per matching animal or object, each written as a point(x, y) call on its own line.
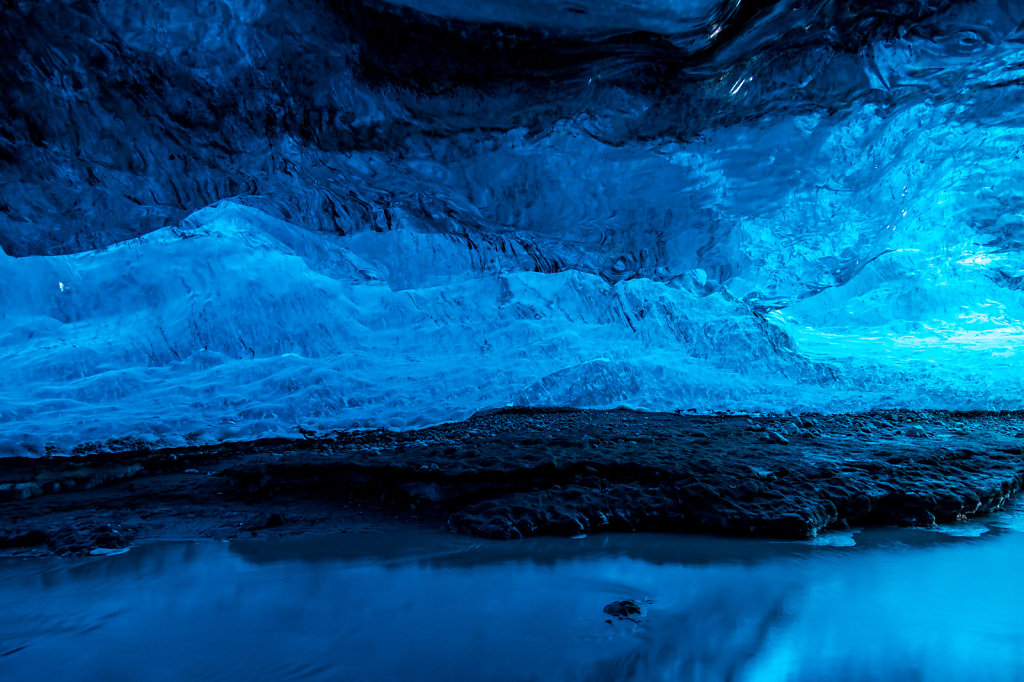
point(264, 217)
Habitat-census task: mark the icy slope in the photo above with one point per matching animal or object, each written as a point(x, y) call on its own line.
point(238, 325)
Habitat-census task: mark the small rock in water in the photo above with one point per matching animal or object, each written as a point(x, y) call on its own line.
point(916, 432)
point(627, 609)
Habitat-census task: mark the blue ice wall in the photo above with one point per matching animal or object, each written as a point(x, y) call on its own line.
point(268, 217)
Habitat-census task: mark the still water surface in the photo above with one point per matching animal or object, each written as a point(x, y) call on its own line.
point(897, 605)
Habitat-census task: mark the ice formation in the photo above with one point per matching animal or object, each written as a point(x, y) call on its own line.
point(245, 218)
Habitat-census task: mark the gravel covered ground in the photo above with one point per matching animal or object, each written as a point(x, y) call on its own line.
point(517, 473)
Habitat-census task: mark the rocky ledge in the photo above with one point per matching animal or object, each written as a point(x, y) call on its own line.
point(516, 473)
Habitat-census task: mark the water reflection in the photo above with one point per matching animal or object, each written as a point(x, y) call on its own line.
point(912, 605)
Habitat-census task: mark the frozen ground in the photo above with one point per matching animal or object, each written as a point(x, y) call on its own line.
point(517, 473)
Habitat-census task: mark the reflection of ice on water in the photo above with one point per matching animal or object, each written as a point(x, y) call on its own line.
point(712, 635)
point(424, 606)
point(1010, 520)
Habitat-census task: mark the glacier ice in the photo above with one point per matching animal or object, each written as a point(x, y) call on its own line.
point(234, 219)
point(238, 324)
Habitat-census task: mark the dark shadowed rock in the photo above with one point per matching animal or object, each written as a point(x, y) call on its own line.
point(525, 472)
point(627, 609)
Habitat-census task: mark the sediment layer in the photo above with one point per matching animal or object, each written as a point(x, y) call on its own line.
point(517, 473)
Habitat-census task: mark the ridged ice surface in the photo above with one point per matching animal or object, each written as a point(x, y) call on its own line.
point(268, 217)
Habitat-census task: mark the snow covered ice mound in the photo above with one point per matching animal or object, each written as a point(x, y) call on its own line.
point(226, 220)
point(237, 325)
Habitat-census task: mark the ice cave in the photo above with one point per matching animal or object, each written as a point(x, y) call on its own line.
point(342, 228)
point(243, 219)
